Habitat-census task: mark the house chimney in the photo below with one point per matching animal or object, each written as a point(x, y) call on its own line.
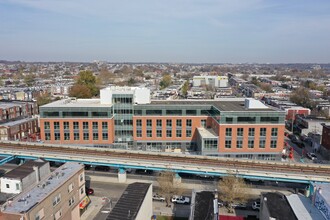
point(36, 169)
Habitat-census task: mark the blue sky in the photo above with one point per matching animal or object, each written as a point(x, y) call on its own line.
point(235, 31)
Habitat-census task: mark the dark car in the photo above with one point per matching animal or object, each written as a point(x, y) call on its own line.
point(300, 144)
point(294, 138)
point(143, 171)
point(89, 191)
point(102, 168)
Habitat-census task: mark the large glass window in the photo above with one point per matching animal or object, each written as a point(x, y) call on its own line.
point(75, 114)
point(66, 136)
point(104, 125)
point(47, 125)
point(274, 132)
point(154, 112)
point(239, 143)
point(251, 144)
point(86, 136)
point(228, 132)
point(263, 132)
point(47, 136)
point(75, 125)
point(56, 125)
point(173, 112)
point(95, 125)
point(178, 133)
point(210, 144)
point(178, 122)
point(138, 133)
point(100, 114)
point(246, 119)
point(168, 133)
point(240, 132)
point(262, 143)
point(57, 136)
point(104, 136)
point(138, 122)
point(228, 144)
point(188, 133)
point(188, 122)
point(66, 125)
point(251, 132)
point(191, 112)
point(85, 125)
point(168, 122)
point(269, 119)
point(273, 143)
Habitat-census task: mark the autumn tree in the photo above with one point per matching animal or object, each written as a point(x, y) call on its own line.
point(105, 77)
point(166, 81)
point(85, 86)
point(44, 99)
point(232, 190)
point(301, 96)
point(168, 186)
point(29, 79)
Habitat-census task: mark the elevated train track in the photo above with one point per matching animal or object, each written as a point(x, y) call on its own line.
point(272, 170)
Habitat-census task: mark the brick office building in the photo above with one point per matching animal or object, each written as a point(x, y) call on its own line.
point(125, 117)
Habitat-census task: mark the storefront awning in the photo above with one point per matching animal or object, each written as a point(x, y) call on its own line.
point(86, 200)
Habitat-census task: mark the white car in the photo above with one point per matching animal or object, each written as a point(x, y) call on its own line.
point(158, 197)
point(180, 199)
point(312, 156)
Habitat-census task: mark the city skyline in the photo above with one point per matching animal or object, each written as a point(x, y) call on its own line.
point(172, 31)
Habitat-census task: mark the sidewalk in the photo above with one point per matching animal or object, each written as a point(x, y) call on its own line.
point(93, 208)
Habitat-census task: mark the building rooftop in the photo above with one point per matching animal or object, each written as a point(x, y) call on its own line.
point(231, 104)
point(17, 122)
point(278, 206)
point(24, 170)
point(207, 133)
point(303, 208)
point(76, 103)
point(130, 202)
point(203, 205)
point(28, 199)
point(325, 191)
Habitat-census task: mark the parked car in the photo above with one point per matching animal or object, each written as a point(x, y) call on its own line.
point(180, 199)
point(89, 191)
point(143, 171)
point(158, 197)
point(300, 144)
point(311, 156)
point(294, 138)
point(256, 205)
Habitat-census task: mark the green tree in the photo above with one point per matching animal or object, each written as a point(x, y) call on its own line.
point(86, 78)
point(185, 88)
point(80, 91)
point(168, 186)
point(166, 81)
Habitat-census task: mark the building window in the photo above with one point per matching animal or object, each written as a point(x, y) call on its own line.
point(228, 144)
point(159, 133)
point(57, 199)
point(85, 125)
point(95, 136)
point(138, 133)
point(168, 122)
point(40, 214)
point(75, 125)
point(66, 125)
point(159, 123)
point(203, 123)
point(188, 133)
point(251, 132)
point(139, 122)
point(95, 125)
point(81, 177)
point(82, 191)
point(210, 144)
point(178, 133)
point(149, 133)
point(86, 136)
point(262, 143)
point(239, 144)
point(263, 132)
point(104, 125)
point(47, 136)
point(70, 188)
point(228, 132)
point(149, 123)
point(240, 132)
point(104, 136)
point(274, 132)
point(71, 201)
point(178, 122)
point(168, 133)
point(251, 144)
point(76, 136)
point(66, 136)
point(57, 136)
point(58, 215)
point(56, 125)
point(17, 186)
point(7, 186)
point(273, 143)
point(188, 123)
point(47, 125)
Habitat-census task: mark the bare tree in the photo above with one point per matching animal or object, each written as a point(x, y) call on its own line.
point(168, 186)
point(232, 189)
